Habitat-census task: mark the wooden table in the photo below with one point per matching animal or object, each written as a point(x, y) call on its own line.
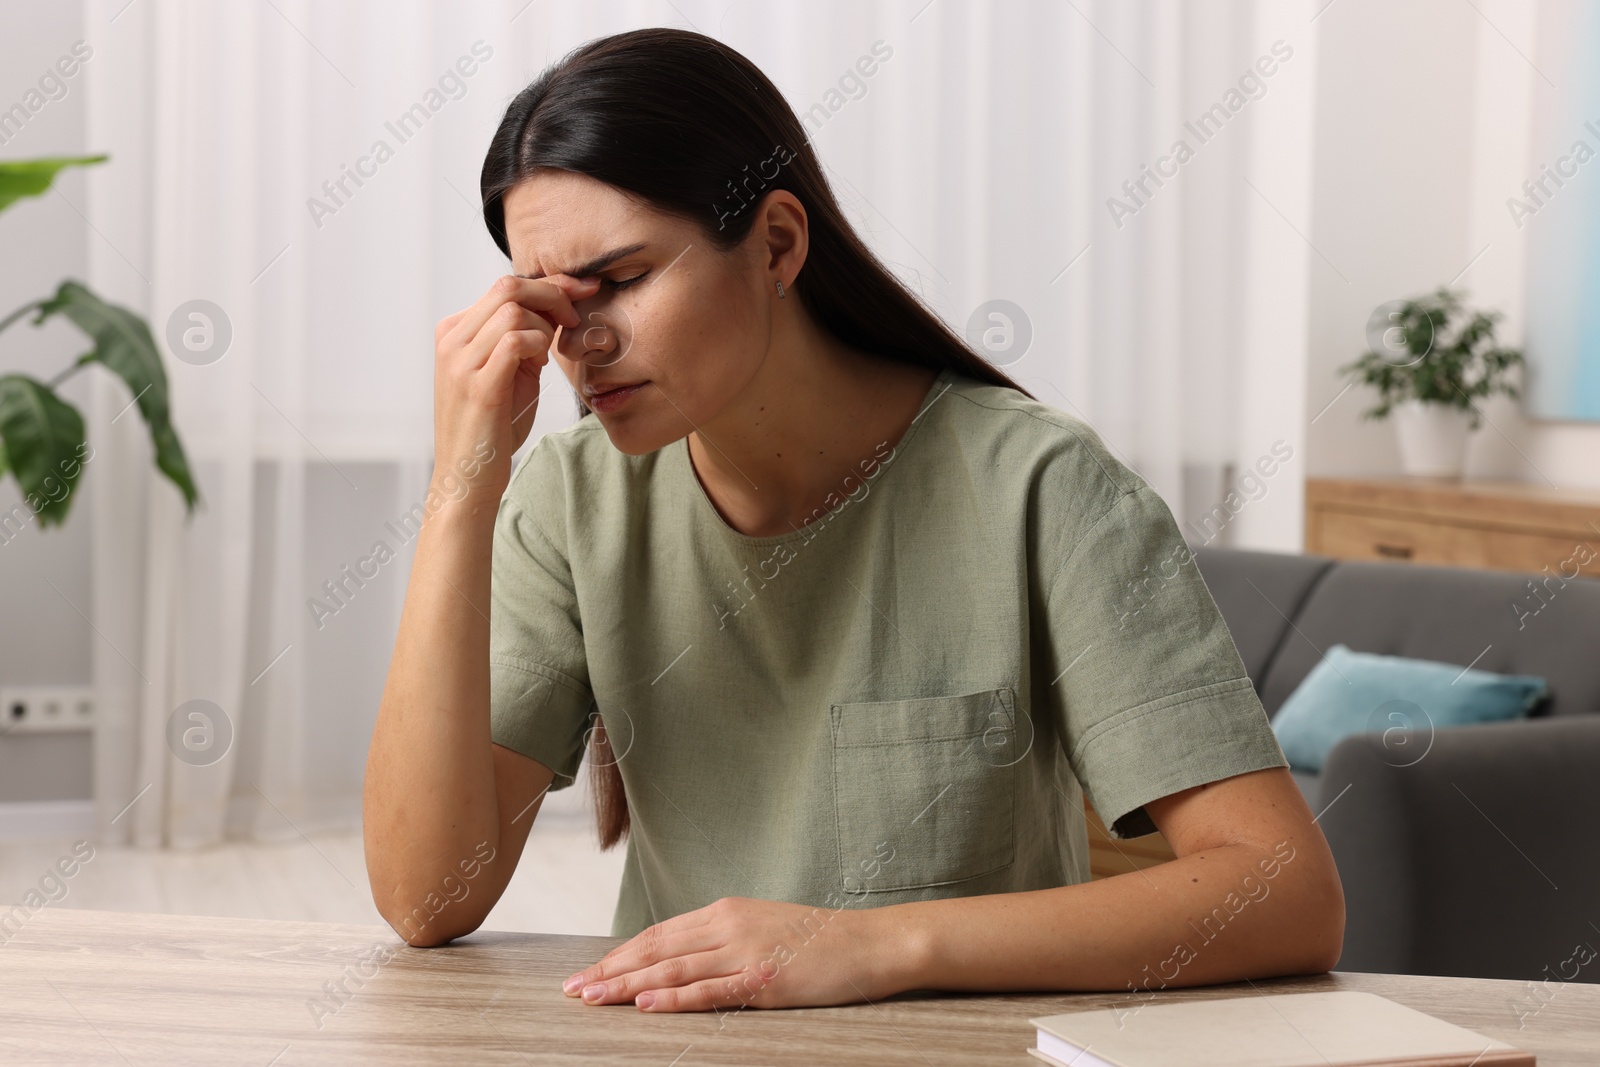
point(88, 987)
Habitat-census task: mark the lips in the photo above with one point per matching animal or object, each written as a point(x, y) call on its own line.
point(595, 389)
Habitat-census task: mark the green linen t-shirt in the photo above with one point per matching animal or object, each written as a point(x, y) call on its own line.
point(905, 698)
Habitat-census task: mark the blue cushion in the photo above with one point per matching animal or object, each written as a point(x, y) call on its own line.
point(1359, 692)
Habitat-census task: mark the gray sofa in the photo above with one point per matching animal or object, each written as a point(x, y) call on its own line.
point(1482, 858)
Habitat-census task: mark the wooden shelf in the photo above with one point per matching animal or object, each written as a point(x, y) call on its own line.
point(1508, 526)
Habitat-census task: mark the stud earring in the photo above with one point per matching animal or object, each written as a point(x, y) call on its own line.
point(780, 289)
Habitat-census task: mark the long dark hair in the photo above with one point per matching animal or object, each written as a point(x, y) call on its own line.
point(685, 123)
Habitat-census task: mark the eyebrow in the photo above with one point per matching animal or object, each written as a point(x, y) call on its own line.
point(599, 263)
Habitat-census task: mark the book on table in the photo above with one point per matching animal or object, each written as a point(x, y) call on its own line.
point(1342, 1028)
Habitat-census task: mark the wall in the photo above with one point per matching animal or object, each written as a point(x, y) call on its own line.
point(1421, 132)
point(1510, 142)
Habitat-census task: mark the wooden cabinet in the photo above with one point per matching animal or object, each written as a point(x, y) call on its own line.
point(1494, 525)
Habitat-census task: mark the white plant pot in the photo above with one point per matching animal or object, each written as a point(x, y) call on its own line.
point(1432, 438)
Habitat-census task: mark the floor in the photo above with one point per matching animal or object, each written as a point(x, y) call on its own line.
point(563, 883)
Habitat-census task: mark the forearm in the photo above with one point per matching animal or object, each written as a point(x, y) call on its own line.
point(1213, 916)
point(430, 789)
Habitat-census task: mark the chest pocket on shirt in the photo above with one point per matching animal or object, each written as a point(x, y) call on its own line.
point(924, 789)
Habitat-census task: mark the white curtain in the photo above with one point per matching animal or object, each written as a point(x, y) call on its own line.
point(978, 159)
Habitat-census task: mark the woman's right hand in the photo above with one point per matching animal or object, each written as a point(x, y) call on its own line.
point(437, 789)
point(487, 362)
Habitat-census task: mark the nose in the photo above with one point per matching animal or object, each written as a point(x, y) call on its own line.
point(596, 336)
point(596, 341)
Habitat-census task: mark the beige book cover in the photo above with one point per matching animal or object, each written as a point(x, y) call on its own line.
point(1334, 1029)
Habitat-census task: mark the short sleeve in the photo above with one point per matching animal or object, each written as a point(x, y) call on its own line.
point(1152, 697)
point(539, 695)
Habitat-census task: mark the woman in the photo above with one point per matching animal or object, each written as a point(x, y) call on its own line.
point(847, 622)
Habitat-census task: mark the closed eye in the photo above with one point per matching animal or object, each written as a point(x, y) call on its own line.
point(616, 286)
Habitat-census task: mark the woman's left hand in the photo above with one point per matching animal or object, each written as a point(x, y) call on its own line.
point(738, 952)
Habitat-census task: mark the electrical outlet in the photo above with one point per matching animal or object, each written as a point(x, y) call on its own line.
point(39, 709)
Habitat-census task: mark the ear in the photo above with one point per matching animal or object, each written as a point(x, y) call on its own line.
point(782, 232)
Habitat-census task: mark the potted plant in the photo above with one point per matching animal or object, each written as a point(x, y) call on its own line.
point(1430, 359)
point(42, 439)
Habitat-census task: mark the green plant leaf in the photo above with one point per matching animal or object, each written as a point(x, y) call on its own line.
point(123, 343)
point(170, 458)
point(1449, 369)
point(43, 437)
point(32, 177)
